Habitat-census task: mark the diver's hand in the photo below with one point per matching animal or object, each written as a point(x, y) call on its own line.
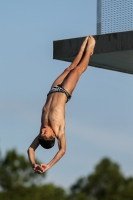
point(37, 168)
point(44, 167)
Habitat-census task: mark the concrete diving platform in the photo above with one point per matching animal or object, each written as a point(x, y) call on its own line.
point(113, 51)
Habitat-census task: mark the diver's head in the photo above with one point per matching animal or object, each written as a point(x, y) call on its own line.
point(46, 138)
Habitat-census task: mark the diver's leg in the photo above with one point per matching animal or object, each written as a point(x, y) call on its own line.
point(60, 78)
point(72, 78)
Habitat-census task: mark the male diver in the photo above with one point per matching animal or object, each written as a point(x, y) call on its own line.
point(53, 112)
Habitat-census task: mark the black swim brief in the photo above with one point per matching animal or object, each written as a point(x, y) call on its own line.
point(59, 88)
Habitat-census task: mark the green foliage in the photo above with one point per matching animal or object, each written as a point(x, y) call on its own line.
point(48, 192)
point(18, 182)
point(15, 171)
point(106, 183)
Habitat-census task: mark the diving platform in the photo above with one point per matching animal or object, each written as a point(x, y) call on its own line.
point(113, 51)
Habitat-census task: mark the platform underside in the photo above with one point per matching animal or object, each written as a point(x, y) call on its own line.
point(113, 51)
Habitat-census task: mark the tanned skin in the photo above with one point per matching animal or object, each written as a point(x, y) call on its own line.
point(53, 114)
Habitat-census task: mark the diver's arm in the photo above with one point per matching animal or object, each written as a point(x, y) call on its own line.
point(61, 152)
point(31, 154)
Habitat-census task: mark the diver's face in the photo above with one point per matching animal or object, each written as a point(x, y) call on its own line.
point(46, 133)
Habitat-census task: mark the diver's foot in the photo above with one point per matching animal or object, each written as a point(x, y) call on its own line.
point(82, 48)
point(90, 45)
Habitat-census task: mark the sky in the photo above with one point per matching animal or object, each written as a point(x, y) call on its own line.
point(99, 115)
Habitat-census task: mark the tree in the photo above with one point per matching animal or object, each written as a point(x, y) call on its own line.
point(106, 183)
point(48, 192)
point(18, 181)
point(15, 171)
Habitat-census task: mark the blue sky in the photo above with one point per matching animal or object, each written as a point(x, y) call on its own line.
point(100, 114)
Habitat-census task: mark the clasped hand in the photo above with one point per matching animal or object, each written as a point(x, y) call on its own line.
point(40, 168)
